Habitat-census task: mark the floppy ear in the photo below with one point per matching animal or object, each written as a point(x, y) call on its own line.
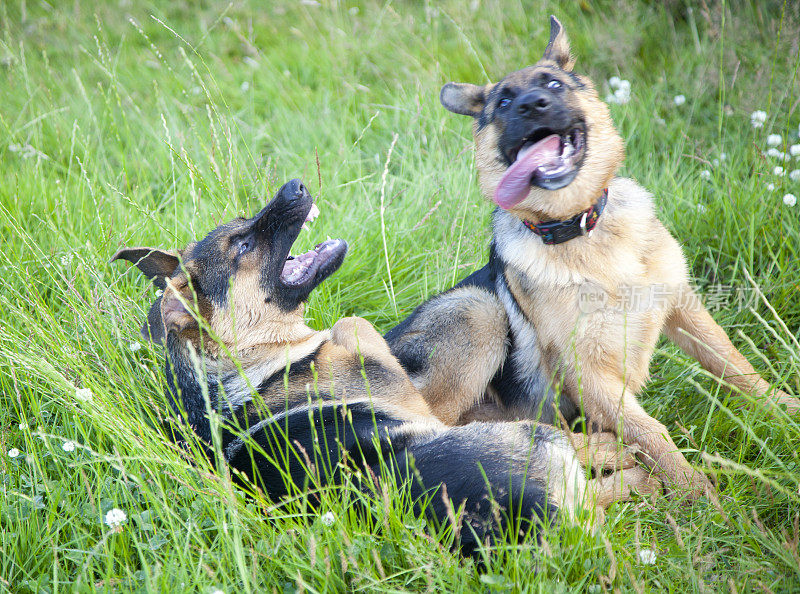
point(157, 265)
point(463, 98)
point(557, 49)
point(167, 313)
point(173, 314)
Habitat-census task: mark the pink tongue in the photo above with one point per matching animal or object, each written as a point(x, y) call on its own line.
point(516, 182)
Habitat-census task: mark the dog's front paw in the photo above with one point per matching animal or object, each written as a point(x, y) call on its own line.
point(689, 486)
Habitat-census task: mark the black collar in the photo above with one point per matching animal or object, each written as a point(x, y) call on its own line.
point(553, 232)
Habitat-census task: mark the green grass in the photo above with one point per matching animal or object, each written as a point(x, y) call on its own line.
point(140, 123)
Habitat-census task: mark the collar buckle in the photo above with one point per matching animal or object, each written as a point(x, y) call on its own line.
point(583, 223)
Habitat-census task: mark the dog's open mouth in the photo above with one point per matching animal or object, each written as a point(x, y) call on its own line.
point(546, 158)
point(315, 265)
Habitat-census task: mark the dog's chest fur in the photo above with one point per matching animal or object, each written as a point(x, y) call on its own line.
point(598, 301)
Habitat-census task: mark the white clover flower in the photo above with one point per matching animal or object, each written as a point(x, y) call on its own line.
point(778, 170)
point(705, 174)
point(68, 446)
point(794, 174)
point(774, 140)
point(790, 200)
point(614, 81)
point(757, 118)
point(353, 10)
point(715, 162)
point(679, 100)
point(647, 557)
point(83, 394)
point(773, 152)
point(217, 591)
point(723, 156)
point(135, 346)
point(24, 426)
point(66, 259)
point(115, 518)
point(245, 87)
point(622, 95)
point(328, 518)
point(13, 453)
point(794, 150)
point(701, 208)
point(770, 187)
point(159, 293)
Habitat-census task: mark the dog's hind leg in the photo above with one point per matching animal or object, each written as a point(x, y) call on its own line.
point(451, 347)
point(692, 328)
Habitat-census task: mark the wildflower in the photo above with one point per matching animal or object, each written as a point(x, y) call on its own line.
point(13, 453)
point(24, 426)
point(794, 174)
point(789, 200)
point(135, 346)
point(613, 82)
point(705, 174)
point(778, 170)
point(328, 518)
point(115, 518)
point(159, 293)
point(83, 394)
point(757, 118)
point(353, 10)
point(715, 162)
point(679, 100)
point(770, 187)
point(68, 446)
point(794, 150)
point(245, 87)
point(217, 591)
point(622, 90)
point(777, 153)
point(701, 208)
point(723, 156)
point(647, 557)
point(66, 259)
point(774, 140)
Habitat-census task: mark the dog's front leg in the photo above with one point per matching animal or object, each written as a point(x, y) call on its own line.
point(692, 328)
point(607, 401)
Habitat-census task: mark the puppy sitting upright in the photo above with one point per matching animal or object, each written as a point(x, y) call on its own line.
point(581, 281)
point(299, 406)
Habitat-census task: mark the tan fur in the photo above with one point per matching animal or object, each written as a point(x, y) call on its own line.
point(601, 349)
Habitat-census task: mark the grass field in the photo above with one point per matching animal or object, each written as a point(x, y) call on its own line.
point(144, 123)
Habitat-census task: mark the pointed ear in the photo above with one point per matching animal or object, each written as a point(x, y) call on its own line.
point(463, 98)
point(157, 265)
point(557, 49)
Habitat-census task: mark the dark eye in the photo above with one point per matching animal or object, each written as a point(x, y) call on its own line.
point(244, 247)
point(554, 84)
point(503, 102)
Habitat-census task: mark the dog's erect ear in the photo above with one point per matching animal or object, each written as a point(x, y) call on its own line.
point(463, 98)
point(157, 265)
point(557, 49)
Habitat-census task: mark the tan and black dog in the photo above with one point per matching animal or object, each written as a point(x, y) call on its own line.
point(299, 406)
point(581, 281)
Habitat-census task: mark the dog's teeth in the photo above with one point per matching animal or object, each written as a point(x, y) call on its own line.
point(328, 238)
point(313, 213)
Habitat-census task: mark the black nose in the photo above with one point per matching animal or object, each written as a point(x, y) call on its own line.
point(294, 189)
point(535, 103)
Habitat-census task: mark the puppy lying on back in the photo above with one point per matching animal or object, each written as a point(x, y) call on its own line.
point(581, 281)
point(300, 405)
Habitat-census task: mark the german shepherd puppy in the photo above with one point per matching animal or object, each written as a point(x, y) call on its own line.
point(581, 280)
point(298, 406)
